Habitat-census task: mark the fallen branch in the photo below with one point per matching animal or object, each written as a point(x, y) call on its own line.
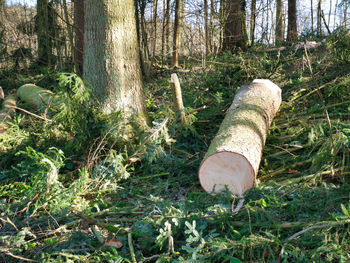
point(18, 257)
point(32, 114)
point(131, 247)
point(330, 224)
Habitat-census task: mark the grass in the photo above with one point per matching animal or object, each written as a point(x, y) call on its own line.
point(101, 197)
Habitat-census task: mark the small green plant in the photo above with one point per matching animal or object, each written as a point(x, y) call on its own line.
point(338, 43)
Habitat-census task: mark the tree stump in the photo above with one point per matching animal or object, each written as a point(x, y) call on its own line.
point(233, 158)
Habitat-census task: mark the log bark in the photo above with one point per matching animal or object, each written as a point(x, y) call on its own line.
point(6, 112)
point(233, 158)
point(37, 97)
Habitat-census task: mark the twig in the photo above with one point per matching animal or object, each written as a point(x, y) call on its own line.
point(282, 170)
point(8, 220)
point(131, 247)
point(30, 113)
point(18, 257)
point(197, 109)
point(330, 224)
point(149, 258)
point(29, 203)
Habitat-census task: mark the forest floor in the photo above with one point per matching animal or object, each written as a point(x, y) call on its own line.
point(81, 189)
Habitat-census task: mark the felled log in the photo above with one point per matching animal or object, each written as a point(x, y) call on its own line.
point(233, 157)
point(37, 97)
point(7, 111)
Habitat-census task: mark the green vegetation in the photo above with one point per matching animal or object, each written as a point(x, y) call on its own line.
point(77, 185)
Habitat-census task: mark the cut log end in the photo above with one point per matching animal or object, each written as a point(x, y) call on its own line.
point(226, 170)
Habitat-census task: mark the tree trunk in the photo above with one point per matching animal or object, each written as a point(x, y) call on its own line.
point(279, 22)
point(345, 14)
point(163, 31)
point(319, 18)
point(312, 17)
point(233, 157)
point(177, 31)
point(292, 34)
point(234, 36)
point(206, 28)
point(79, 34)
point(111, 58)
point(167, 27)
point(252, 21)
point(211, 25)
point(155, 8)
point(42, 24)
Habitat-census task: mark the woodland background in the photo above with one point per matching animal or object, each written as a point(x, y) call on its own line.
point(79, 184)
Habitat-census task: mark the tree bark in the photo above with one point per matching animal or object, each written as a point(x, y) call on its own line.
point(155, 9)
point(233, 157)
point(252, 21)
point(292, 34)
point(312, 17)
point(42, 25)
point(319, 18)
point(206, 28)
point(234, 36)
point(37, 97)
point(211, 25)
point(177, 31)
point(177, 97)
point(79, 34)
point(279, 22)
point(111, 58)
point(167, 27)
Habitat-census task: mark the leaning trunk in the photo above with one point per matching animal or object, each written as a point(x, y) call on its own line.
point(233, 158)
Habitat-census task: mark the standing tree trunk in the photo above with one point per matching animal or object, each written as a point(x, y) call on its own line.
point(292, 34)
point(279, 22)
point(345, 14)
point(177, 31)
point(211, 25)
point(42, 25)
point(167, 27)
point(234, 36)
point(319, 18)
point(312, 18)
point(155, 8)
point(111, 58)
point(206, 28)
point(79, 34)
point(252, 21)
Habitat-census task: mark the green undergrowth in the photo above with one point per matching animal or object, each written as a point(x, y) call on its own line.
point(82, 188)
